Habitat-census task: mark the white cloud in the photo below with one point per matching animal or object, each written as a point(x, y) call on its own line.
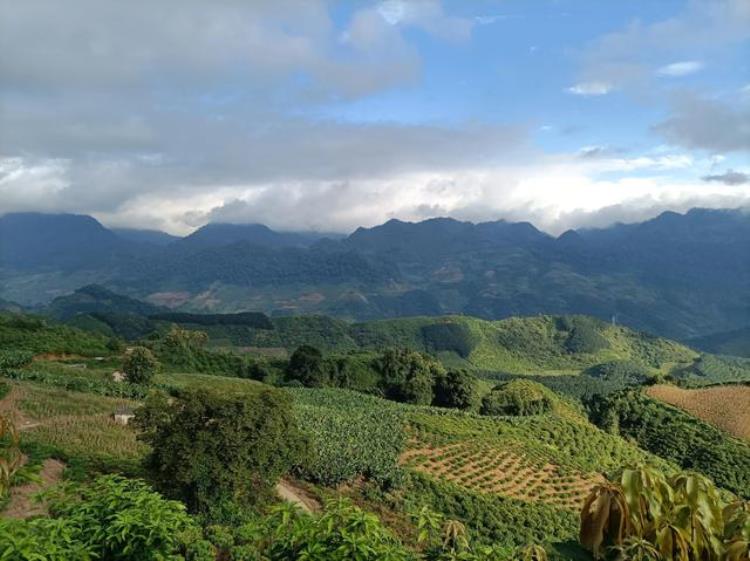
point(427, 15)
point(590, 88)
point(626, 58)
point(678, 69)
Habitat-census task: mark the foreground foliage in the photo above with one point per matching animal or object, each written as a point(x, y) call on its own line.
point(648, 516)
point(113, 518)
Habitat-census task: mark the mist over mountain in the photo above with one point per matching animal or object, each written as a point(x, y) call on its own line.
point(681, 275)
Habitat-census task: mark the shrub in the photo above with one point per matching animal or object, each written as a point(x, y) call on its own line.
point(140, 366)
point(42, 539)
point(210, 449)
point(137, 523)
point(341, 533)
point(518, 397)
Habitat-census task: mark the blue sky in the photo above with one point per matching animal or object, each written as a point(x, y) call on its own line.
point(330, 115)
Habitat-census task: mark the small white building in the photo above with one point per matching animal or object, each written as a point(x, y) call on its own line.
point(123, 415)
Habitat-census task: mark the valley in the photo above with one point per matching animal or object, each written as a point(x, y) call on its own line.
point(525, 435)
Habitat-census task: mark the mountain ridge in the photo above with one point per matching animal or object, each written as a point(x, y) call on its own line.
point(680, 275)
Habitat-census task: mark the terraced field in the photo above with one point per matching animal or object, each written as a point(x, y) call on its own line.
point(725, 407)
point(483, 468)
point(554, 458)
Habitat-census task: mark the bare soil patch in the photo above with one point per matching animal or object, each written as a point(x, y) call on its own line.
point(290, 492)
point(22, 503)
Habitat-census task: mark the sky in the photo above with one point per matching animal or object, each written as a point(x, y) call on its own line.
point(327, 116)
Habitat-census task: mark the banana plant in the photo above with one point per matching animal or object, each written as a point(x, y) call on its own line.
point(605, 519)
point(646, 516)
point(737, 531)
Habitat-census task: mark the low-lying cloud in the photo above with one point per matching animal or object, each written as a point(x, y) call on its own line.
point(729, 177)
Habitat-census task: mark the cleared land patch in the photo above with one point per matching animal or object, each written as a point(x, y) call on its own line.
point(725, 407)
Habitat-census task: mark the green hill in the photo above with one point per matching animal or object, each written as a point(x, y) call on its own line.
point(530, 345)
point(38, 335)
point(95, 299)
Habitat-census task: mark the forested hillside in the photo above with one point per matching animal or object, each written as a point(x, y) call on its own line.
point(679, 276)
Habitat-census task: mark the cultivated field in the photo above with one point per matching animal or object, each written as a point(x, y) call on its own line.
point(726, 407)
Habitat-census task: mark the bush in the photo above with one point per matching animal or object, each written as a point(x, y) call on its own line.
point(519, 397)
point(306, 366)
point(341, 533)
point(210, 449)
point(42, 539)
point(140, 366)
point(457, 389)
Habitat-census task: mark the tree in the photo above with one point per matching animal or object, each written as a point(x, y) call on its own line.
point(307, 366)
point(140, 366)
point(219, 452)
point(408, 376)
point(457, 389)
point(115, 345)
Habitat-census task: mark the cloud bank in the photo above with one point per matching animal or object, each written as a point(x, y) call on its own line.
point(172, 114)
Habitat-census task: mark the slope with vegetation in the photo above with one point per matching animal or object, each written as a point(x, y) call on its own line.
point(456, 467)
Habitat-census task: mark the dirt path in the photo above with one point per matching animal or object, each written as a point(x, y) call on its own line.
point(297, 496)
point(22, 503)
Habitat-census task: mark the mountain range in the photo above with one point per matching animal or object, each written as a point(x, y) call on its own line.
point(678, 275)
